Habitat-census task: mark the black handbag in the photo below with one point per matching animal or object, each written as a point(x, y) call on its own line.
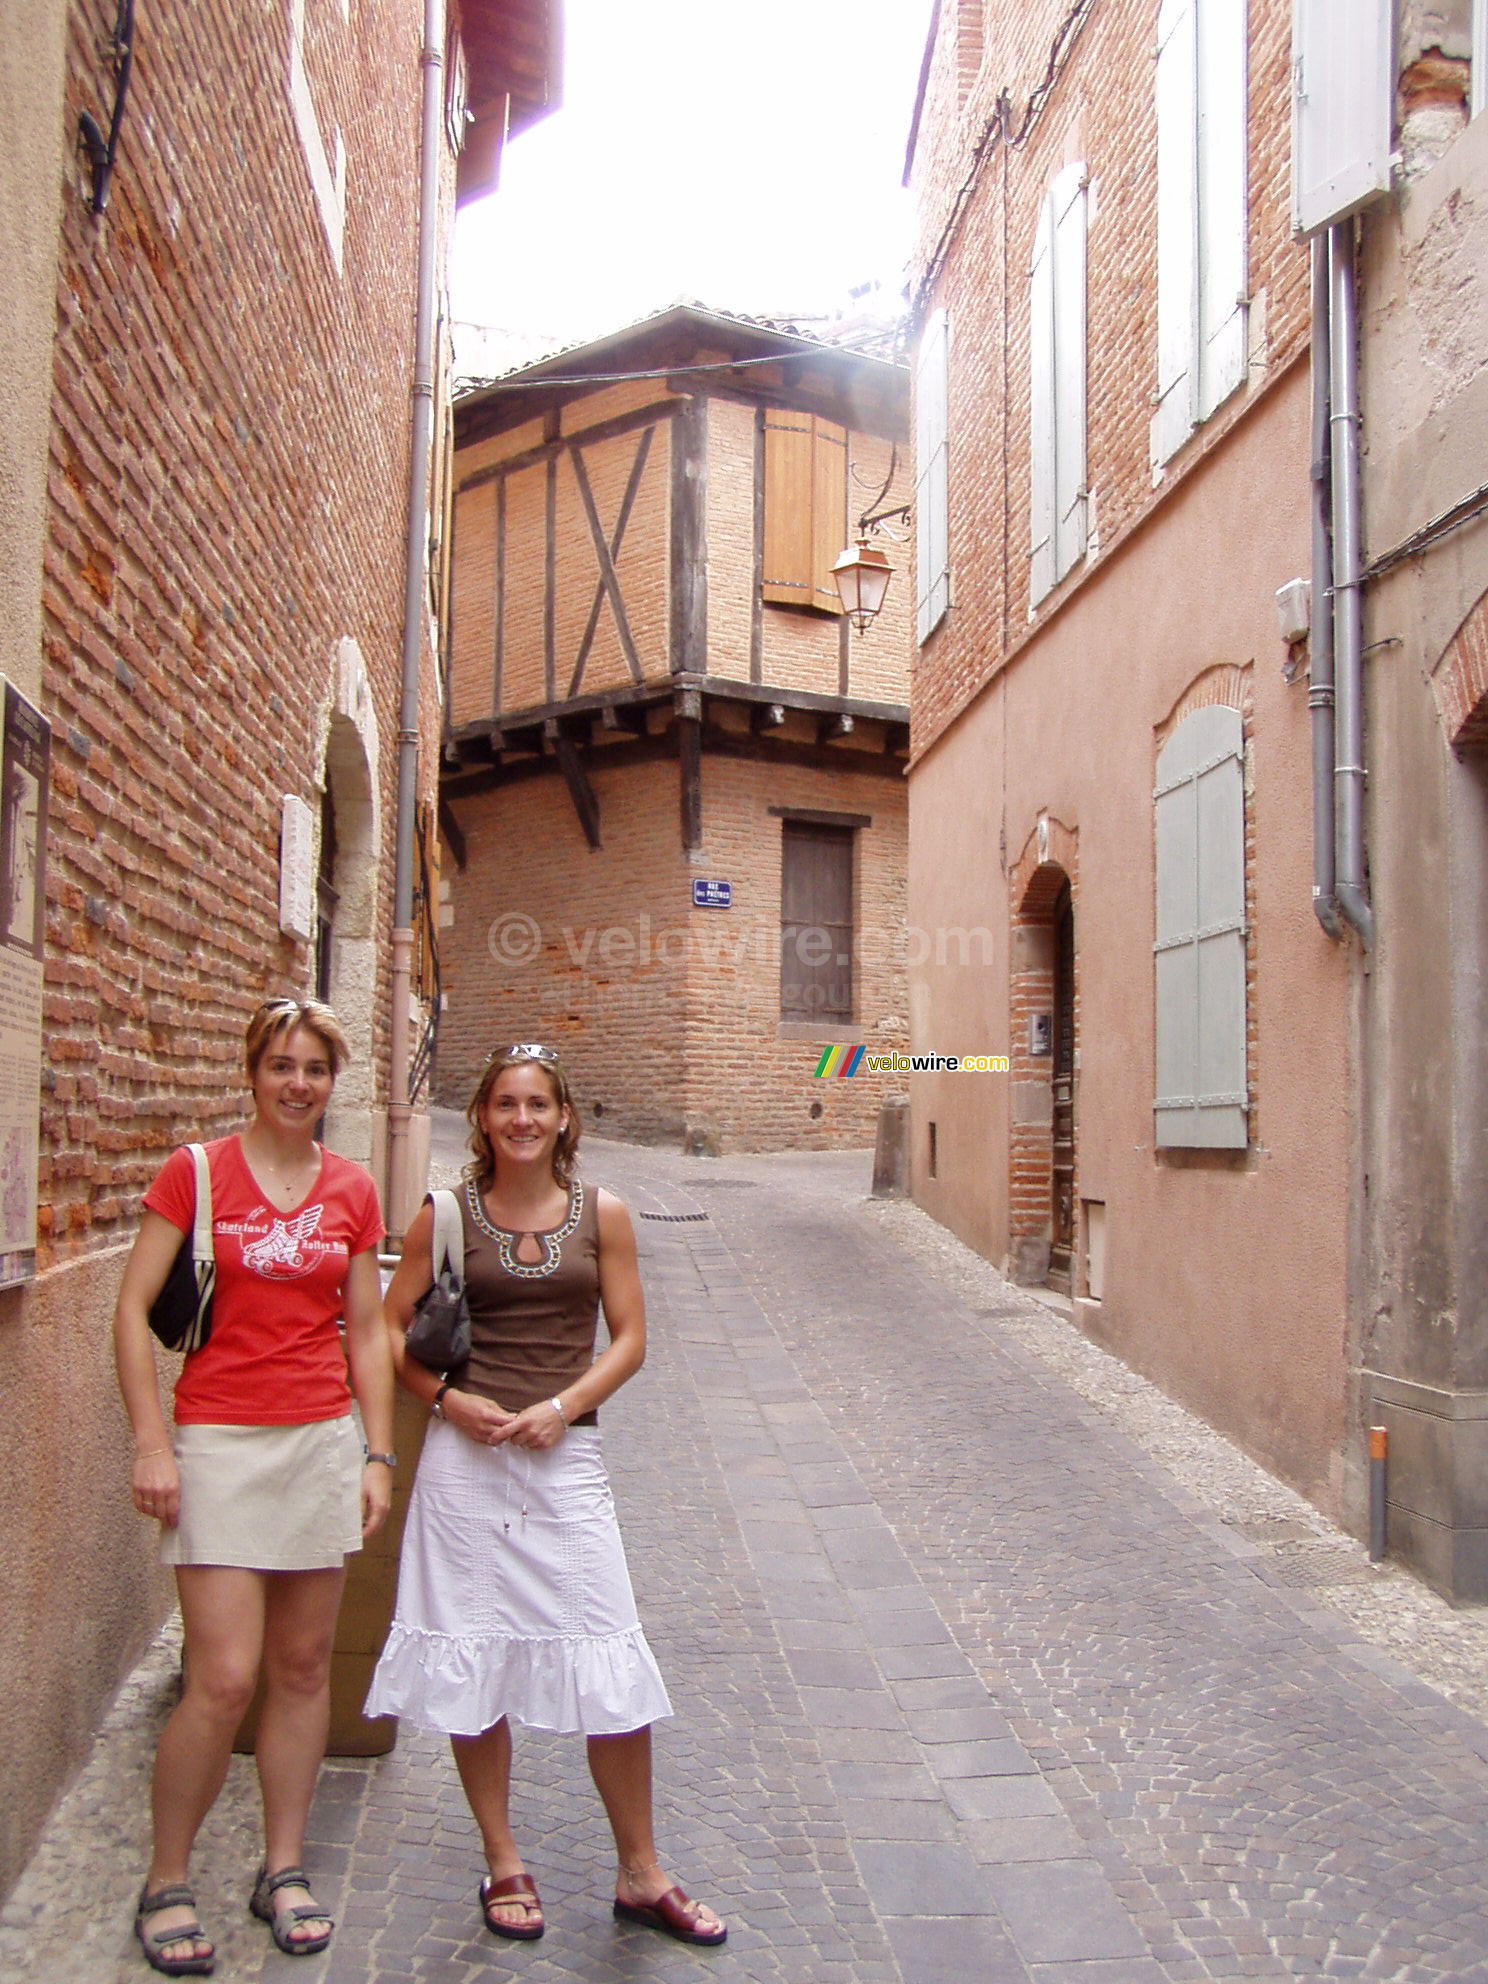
point(439, 1334)
point(181, 1314)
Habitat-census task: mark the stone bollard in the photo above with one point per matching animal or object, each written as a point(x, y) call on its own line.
point(891, 1152)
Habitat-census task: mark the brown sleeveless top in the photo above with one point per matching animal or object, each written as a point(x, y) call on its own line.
point(532, 1323)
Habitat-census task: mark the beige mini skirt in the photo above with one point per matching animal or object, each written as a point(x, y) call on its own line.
point(268, 1498)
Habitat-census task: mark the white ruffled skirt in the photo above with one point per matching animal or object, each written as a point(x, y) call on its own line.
point(514, 1597)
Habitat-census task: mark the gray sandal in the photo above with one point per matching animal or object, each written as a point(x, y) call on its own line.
point(282, 1920)
point(155, 1942)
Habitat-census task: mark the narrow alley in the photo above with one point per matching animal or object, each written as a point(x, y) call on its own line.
point(968, 1686)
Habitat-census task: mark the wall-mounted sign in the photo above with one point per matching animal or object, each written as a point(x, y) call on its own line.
point(297, 870)
point(1040, 1034)
point(712, 895)
point(25, 779)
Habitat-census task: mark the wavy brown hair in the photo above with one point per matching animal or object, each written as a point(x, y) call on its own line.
point(483, 1166)
point(277, 1017)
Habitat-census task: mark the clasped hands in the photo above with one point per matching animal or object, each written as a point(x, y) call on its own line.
point(482, 1419)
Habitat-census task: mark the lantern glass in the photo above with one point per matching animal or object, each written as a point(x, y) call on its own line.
point(862, 577)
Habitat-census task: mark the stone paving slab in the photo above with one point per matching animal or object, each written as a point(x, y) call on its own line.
point(967, 1686)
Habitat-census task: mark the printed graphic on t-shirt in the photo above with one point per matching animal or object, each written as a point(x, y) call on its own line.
point(285, 1250)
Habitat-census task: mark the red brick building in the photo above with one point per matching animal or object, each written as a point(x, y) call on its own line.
point(219, 604)
point(1110, 764)
point(653, 691)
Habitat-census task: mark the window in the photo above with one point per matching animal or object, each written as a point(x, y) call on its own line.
point(1201, 214)
point(805, 509)
point(1057, 385)
point(1343, 101)
point(932, 548)
point(1200, 949)
point(816, 922)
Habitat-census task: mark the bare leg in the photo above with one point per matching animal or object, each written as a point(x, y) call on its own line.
point(621, 1769)
point(222, 1611)
point(484, 1764)
point(299, 1629)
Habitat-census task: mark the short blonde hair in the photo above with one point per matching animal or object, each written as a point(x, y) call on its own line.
point(280, 1016)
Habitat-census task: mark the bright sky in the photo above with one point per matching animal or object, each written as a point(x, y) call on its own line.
point(748, 158)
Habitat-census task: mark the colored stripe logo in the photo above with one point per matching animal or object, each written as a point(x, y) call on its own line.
point(837, 1063)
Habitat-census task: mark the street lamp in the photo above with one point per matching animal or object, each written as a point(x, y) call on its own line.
point(862, 576)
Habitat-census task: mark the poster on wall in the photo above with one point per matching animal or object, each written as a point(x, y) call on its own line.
point(25, 780)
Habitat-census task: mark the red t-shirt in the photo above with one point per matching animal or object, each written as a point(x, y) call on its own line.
point(274, 1357)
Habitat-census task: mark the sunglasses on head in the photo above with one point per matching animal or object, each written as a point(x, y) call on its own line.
point(529, 1050)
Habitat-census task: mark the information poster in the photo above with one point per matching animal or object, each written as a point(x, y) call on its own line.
point(25, 779)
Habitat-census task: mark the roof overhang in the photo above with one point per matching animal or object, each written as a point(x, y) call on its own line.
point(514, 77)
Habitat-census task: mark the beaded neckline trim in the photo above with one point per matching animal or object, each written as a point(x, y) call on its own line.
point(552, 1243)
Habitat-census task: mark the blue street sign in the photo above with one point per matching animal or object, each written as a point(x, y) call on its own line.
point(712, 895)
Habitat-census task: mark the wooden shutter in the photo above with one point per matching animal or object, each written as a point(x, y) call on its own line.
point(816, 926)
point(1224, 305)
point(1041, 409)
point(828, 511)
point(1068, 202)
point(1177, 229)
point(1343, 88)
point(787, 567)
point(805, 509)
point(932, 534)
point(1199, 952)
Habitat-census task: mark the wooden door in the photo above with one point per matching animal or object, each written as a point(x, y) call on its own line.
point(1061, 1248)
point(816, 926)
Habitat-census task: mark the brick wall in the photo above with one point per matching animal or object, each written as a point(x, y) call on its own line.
point(1102, 111)
point(227, 491)
point(667, 1016)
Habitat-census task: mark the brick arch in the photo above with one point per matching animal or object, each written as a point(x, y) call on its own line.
point(1049, 860)
point(1460, 682)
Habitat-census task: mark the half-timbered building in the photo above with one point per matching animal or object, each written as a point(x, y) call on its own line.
point(672, 797)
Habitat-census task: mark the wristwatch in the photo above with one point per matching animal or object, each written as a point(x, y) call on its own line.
point(389, 1461)
point(437, 1405)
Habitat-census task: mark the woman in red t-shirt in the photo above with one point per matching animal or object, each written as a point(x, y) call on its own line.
point(265, 1485)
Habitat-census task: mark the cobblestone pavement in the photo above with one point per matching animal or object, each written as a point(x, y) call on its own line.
point(970, 1684)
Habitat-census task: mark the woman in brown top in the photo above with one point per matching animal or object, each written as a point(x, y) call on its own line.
point(513, 1594)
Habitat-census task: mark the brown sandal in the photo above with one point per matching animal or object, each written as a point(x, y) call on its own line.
point(515, 1888)
point(674, 1915)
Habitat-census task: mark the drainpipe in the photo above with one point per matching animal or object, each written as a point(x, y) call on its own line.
point(1348, 767)
point(422, 405)
point(1320, 671)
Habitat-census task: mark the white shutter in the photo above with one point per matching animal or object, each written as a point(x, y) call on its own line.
point(1068, 203)
point(1223, 133)
point(1343, 86)
point(1199, 953)
point(1041, 409)
point(1177, 229)
point(1479, 99)
point(932, 536)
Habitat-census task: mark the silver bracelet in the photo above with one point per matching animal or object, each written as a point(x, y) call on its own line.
point(557, 1405)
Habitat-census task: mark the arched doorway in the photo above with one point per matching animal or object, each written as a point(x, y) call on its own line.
point(346, 897)
point(1044, 1054)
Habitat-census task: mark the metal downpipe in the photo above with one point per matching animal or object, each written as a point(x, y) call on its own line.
point(422, 397)
point(1320, 670)
point(1348, 769)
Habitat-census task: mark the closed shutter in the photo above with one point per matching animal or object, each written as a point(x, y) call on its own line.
point(1223, 52)
point(816, 926)
point(1041, 410)
point(787, 549)
point(1068, 200)
point(828, 512)
point(1199, 952)
point(1343, 86)
point(932, 535)
point(1177, 229)
point(1479, 100)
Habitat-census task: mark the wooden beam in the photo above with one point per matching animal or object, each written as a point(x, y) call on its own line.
point(690, 754)
point(449, 826)
point(609, 583)
point(766, 716)
point(500, 597)
point(840, 725)
point(757, 580)
point(602, 430)
point(689, 571)
point(579, 789)
point(550, 584)
point(844, 654)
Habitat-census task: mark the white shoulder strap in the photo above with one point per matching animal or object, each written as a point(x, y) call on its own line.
point(201, 1236)
point(449, 1234)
